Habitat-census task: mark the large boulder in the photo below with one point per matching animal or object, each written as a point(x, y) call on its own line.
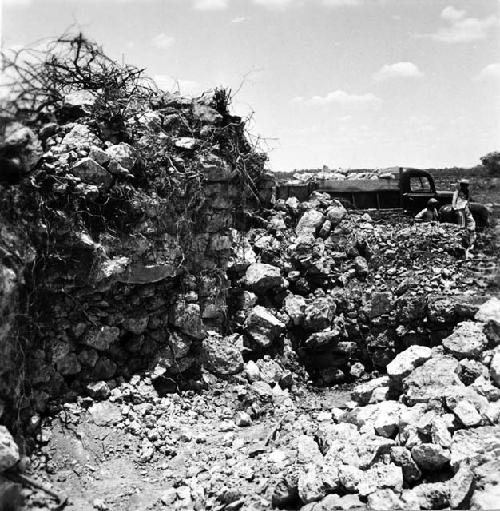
point(187, 318)
point(262, 327)
point(9, 452)
point(346, 445)
point(470, 445)
point(380, 476)
point(310, 222)
point(430, 456)
point(122, 158)
point(261, 278)
point(405, 362)
point(384, 417)
point(466, 341)
point(435, 379)
point(319, 314)
point(335, 213)
point(223, 355)
point(363, 392)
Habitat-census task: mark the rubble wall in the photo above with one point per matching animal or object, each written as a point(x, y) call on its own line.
point(130, 240)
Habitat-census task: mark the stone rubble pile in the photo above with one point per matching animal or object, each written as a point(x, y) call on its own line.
point(343, 291)
point(425, 436)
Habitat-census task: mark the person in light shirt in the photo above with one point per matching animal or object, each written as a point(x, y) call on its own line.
point(460, 204)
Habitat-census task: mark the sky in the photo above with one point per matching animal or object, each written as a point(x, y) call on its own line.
point(342, 83)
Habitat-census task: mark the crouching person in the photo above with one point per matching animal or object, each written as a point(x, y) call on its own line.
point(430, 213)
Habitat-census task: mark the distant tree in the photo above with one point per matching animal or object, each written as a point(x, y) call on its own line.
point(492, 162)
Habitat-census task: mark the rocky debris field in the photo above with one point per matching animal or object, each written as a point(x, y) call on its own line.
point(344, 292)
point(425, 435)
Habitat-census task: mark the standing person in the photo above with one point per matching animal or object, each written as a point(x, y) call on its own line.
point(430, 213)
point(460, 204)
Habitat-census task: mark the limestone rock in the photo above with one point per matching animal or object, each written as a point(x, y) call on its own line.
point(381, 303)
point(361, 267)
point(223, 355)
point(139, 273)
point(294, 307)
point(466, 341)
point(187, 318)
point(384, 500)
point(334, 501)
point(69, 365)
point(401, 456)
point(80, 137)
point(9, 452)
point(105, 413)
point(489, 311)
point(440, 434)
point(435, 379)
point(319, 314)
point(427, 496)
point(335, 213)
point(98, 390)
point(90, 172)
point(102, 338)
point(471, 444)
point(381, 476)
point(460, 486)
point(307, 449)
point(363, 392)
point(405, 362)
point(430, 456)
point(310, 222)
point(261, 278)
point(311, 487)
point(262, 327)
point(467, 413)
point(346, 445)
point(384, 417)
point(122, 158)
point(485, 388)
point(25, 145)
point(486, 488)
point(469, 370)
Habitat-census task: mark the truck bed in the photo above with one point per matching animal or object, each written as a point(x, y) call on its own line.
point(358, 185)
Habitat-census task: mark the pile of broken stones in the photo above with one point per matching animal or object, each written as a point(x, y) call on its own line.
point(426, 435)
point(345, 292)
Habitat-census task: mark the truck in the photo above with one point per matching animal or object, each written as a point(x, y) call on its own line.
point(407, 189)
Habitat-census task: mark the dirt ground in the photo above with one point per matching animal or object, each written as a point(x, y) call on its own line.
point(90, 459)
